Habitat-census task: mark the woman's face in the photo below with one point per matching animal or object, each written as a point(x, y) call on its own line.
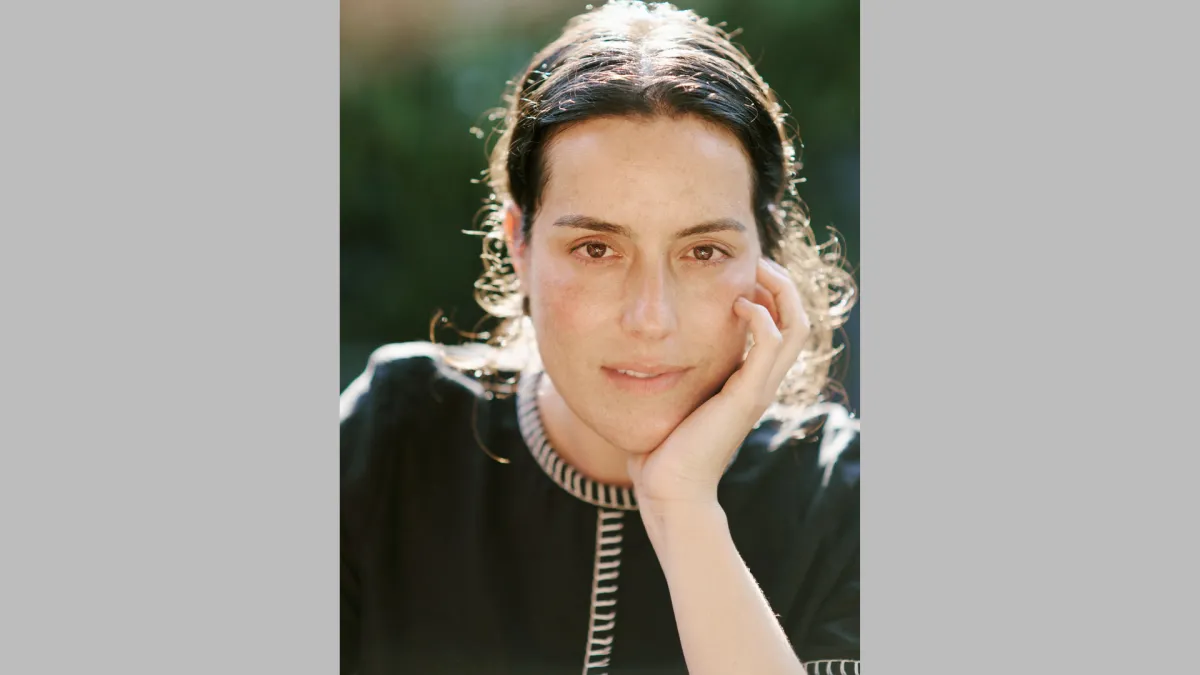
point(644, 239)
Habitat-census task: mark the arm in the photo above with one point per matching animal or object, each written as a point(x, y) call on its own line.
point(725, 623)
point(822, 620)
point(352, 412)
point(375, 409)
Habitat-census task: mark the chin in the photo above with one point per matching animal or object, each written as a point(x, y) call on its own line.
point(639, 434)
point(636, 443)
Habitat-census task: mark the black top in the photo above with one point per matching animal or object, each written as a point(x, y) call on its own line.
point(453, 562)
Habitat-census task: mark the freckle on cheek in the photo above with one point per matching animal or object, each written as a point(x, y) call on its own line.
point(568, 303)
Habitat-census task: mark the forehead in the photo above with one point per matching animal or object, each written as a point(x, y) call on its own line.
point(647, 172)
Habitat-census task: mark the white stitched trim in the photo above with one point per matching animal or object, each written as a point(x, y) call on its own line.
point(827, 667)
point(562, 473)
point(605, 569)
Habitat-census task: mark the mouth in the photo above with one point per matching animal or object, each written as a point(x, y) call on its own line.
point(644, 378)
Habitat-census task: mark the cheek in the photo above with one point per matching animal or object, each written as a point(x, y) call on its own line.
point(708, 308)
point(567, 302)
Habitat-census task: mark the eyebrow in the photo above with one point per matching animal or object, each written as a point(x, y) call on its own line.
point(597, 225)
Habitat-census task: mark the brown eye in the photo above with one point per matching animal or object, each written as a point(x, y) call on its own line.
point(703, 253)
point(596, 250)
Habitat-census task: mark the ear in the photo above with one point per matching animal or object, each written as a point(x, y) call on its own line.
point(514, 239)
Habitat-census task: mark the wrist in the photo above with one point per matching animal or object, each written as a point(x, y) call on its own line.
point(672, 524)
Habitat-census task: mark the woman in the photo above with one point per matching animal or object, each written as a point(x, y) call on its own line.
point(668, 490)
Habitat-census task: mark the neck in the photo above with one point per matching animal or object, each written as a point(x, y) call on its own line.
point(578, 444)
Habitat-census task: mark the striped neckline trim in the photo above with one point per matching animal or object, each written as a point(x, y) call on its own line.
point(563, 474)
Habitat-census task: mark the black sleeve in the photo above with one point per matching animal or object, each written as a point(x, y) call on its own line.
point(823, 623)
point(355, 406)
point(350, 615)
point(831, 641)
point(373, 407)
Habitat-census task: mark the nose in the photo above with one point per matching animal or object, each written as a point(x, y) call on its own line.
point(649, 305)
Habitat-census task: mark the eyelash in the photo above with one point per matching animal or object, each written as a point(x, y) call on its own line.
point(587, 259)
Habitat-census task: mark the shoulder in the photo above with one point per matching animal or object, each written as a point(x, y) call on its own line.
point(407, 421)
point(832, 451)
point(808, 460)
point(406, 395)
point(392, 370)
point(403, 379)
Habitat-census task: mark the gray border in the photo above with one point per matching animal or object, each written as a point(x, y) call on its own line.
point(1028, 222)
point(170, 285)
point(168, 490)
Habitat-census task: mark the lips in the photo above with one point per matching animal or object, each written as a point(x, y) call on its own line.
point(644, 378)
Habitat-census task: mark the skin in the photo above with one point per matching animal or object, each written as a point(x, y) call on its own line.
point(602, 296)
point(644, 295)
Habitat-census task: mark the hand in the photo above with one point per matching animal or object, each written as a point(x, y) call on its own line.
point(685, 469)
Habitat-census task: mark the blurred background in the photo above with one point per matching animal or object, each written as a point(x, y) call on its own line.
point(418, 75)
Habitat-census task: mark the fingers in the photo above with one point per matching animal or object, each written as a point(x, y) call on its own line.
point(767, 299)
point(779, 326)
point(795, 324)
point(786, 299)
point(760, 363)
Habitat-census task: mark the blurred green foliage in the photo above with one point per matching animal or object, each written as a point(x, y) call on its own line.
point(408, 156)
